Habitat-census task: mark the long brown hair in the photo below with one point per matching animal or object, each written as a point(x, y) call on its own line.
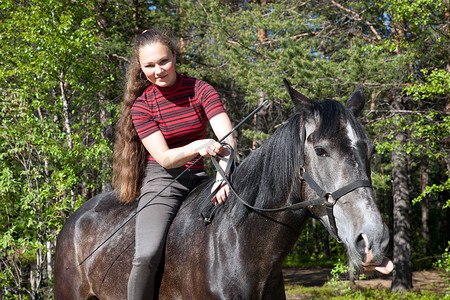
point(129, 153)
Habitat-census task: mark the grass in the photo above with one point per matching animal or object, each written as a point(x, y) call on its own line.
point(331, 292)
point(336, 288)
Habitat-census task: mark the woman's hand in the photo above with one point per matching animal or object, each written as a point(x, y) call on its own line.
point(222, 193)
point(209, 147)
point(224, 190)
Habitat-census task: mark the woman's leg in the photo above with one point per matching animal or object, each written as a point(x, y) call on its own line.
point(152, 224)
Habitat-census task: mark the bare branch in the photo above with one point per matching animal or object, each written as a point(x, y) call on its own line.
point(120, 57)
point(358, 18)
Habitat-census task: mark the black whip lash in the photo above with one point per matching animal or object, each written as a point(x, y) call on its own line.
point(175, 179)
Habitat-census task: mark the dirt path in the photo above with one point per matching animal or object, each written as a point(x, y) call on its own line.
point(422, 280)
point(307, 277)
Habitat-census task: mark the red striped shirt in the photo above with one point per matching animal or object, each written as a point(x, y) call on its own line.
point(180, 112)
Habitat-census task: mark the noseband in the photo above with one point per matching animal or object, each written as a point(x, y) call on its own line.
point(328, 199)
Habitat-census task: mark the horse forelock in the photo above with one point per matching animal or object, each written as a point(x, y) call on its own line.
point(337, 123)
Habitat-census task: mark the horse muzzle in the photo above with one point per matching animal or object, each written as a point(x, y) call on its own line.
point(371, 263)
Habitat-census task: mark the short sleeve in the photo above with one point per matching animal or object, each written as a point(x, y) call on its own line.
point(210, 99)
point(143, 121)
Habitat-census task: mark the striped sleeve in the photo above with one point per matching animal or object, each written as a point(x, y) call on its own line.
point(143, 120)
point(210, 99)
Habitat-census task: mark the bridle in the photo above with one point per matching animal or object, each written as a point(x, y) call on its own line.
point(329, 199)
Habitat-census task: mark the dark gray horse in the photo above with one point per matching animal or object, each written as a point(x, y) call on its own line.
point(317, 162)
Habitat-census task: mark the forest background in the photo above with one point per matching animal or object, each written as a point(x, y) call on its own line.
point(61, 85)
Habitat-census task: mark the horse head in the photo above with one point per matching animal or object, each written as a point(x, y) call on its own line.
point(336, 157)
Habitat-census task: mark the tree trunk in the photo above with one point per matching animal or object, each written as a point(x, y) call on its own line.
point(425, 205)
point(106, 162)
point(259, 121)
point(260, 117)
point(326, 245)
point(402, 274)
point(67, 125)
point(446, 196)
point(65, 103)
point(49, 249)
point(315, 238)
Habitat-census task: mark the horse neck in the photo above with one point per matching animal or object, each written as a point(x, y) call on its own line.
point(265, 239)
point(269, 179)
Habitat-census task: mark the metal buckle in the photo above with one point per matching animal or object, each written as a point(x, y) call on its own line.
point(330, 200)
point(301, 171)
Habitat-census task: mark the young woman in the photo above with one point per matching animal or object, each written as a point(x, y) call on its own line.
point(161, 132)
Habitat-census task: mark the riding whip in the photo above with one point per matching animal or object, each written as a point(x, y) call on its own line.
point(148, 202)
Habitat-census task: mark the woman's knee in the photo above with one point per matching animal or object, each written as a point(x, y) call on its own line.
point(149, 258)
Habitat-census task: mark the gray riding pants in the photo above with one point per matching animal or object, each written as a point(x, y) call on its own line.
point(152, 223)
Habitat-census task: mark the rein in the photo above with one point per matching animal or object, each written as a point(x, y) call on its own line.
point(168, 185)
point(329, 199)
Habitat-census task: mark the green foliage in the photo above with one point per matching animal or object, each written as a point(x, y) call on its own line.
point(381, 181)
point(422, 117)
point(444, 264)
point(340, 270)
point(436, 82)
point(52, 143)
point(418, 12)
point(327, 292)
point(62, 66)
point(335, 281)
point(435, 188)
point(253, 135)
point(427, 131)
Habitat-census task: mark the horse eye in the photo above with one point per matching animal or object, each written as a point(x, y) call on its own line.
point(321, 152)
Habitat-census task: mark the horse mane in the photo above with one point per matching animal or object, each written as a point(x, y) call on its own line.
point(254, 179)
point(272, 171)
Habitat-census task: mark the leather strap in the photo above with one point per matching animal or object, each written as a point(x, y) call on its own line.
point(324, 198)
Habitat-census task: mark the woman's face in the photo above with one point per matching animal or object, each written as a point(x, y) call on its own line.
point(157, 62)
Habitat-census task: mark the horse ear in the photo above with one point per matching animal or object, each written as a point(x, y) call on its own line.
point(356, 101)
point(300, 101)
